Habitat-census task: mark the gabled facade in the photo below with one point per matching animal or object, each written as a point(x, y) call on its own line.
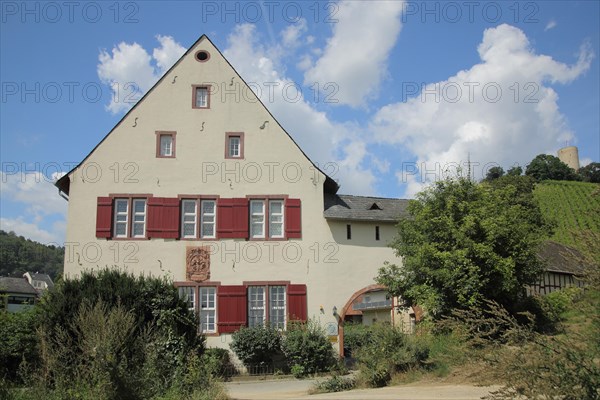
point(40, 282)
point(199, 182)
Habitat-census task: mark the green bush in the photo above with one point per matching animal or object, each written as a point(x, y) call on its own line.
point(388, 352)
point(355, 336)
point(112, 335)
point(298, 371)
point(306, 345)
point(18, 343)
point(334, 384)
point(218, 362)
point(259, 345)
point(557, 303)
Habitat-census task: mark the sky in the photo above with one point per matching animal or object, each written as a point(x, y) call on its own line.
point(385, 96)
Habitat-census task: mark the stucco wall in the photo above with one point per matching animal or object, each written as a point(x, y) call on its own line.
point(125, 163)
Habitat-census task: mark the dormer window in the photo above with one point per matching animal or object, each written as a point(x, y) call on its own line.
point(201, 96)
point(234, 145)
point(375, 206)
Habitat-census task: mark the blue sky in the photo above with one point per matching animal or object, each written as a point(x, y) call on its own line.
point(393, 94)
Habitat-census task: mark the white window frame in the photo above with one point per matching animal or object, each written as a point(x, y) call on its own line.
point(278, 308)
point(231, 146)
point(117, 214)
point(184, 222)
point(135, 213)
point(254, 304)
point(203, 100)
point(168, 145)
point(260, 216)
point(273, 215)
point(205, 219)
point(210, 292)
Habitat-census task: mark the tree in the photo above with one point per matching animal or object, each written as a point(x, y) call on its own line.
point(590, 173)
point(465, 242)
point(545, 166)
point(515, 171)
point(494, 173)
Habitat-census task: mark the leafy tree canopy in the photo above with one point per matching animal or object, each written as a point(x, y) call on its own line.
point(515, 171)
point(545, 166)
point(465, 242)
point(494, 173)
point(591, 172)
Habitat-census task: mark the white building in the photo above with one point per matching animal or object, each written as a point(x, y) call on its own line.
point(205, 186)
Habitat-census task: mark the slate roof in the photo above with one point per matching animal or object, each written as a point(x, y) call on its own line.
point(561, 258)
point(362, 208)
point(43, 277)
point(16, 285)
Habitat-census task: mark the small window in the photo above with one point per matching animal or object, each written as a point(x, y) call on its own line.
point(377, 233)
point(130, 222)
point(190, 209)
point(208, 218)
point(201, 96)
point(208, 309)
point(276, 218)
point(165, 144)
point(121, 217)
point(256, 306)
point(188, 219)
point(139, 218)
point(348, 231)
point(234, 145)
point(257, 219)
point(277, 306)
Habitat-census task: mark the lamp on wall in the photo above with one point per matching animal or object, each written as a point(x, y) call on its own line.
point(335, 310)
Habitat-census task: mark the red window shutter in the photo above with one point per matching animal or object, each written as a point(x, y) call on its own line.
point(293, 219)
point(231, 308)
point(154, 224)
point(297, 308)
point(104, 217)
point(163, 218)
point(240, 219)
point(232, 218)
point(170, 218)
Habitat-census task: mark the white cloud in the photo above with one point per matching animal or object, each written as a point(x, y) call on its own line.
point(167, 54)
point(130, 73)
point(292, 34)
point(467, 115)
point(34, 190)
point(41, 200)
point(356, 59)
point(33, 231)
point(550, 25)
point(306, 124)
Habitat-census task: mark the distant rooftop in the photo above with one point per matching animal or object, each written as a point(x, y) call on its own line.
point(561, 258)
point(16, 285)
point(362, 208)
point(42, 277)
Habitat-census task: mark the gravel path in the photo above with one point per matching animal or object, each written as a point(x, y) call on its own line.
point(298, 390)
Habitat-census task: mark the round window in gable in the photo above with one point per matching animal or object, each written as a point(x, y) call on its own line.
point(202, 56)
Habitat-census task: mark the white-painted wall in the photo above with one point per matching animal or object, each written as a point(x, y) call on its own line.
point(332, 267)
